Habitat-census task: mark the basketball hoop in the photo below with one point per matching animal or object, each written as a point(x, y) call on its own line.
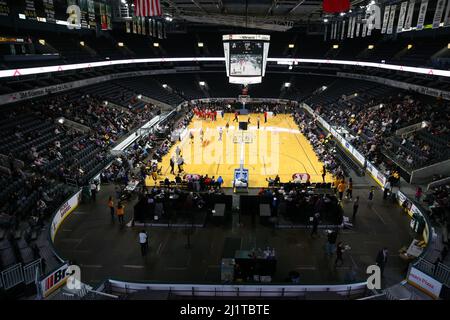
point(243, 98)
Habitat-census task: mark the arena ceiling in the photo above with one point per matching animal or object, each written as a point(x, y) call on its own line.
point(276, 15)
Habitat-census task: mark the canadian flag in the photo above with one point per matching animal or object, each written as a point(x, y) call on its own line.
point(147, 8)
point(336, 6)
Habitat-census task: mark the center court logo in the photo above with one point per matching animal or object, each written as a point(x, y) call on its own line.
point(374, 279)
point(232, 147)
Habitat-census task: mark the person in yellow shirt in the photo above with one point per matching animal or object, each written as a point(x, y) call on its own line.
point(341, 189)
point(120, 213)
point(111, 207)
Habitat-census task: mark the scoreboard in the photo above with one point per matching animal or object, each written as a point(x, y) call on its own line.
point(246, 57)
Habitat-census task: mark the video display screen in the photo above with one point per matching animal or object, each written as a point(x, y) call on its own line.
point(246, 58)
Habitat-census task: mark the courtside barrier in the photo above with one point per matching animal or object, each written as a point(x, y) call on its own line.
point(206, 290)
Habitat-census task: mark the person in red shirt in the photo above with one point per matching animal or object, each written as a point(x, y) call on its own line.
point(265, 116)
point(236, 117)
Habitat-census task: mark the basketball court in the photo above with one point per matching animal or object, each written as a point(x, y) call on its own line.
point(277, 147)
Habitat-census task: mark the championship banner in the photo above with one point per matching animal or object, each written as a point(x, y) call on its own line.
point(108, 17)
point(401, 17)
point(358, 26)
point(159, 30)
point(422, 14)
point(144, 32)
point(353, 27)
point(364, 30)
point(369, 31)
point(409, 16)
point(438, 13)
point(390, 27)
point(150, 29)
point(447, 15)
point(30, 10)
point(333, 27)
point(103, 19)
point(155, 30)
point(343, 30)
point(128, 26)
point(83, 4)
point(349, 29)
point(385, 19)
point(134, 25)
point(325, 33)
point(4, 8)
point(164, 31)
point(91, 14)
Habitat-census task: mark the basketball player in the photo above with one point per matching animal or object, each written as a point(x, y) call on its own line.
point(220, 133)
point(201, 134)
point(227, 126)
point(248, 120)
point(257, 122)
point(236, 118)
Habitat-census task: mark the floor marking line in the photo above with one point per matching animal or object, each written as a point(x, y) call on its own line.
point(376, 212)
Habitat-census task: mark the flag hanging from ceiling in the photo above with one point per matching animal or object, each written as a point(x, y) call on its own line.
point(147, 8)
point(336, 6)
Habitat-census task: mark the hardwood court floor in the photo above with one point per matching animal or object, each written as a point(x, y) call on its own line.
point(278, 147)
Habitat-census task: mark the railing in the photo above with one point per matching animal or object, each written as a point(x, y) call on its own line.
point(19, 274)
point(439, 271)
point(198, 290)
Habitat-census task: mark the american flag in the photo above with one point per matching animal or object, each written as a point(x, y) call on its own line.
point(147, 8)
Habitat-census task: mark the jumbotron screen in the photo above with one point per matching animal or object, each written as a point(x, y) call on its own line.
point(246, 58)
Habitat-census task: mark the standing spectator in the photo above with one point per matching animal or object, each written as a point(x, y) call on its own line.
point(120, 213)
point(382, 259)
point(111, 207)
point(419, 193)
point(339, 251)
point(324, 173)
point(387, 189)
point(355, 209)
point(172, 165)
point(93, 191)
point(315, 224)
point(341, 189)
point(219, 181)
point(180, 163)
point(265, 116)
point(331, 242)
point(143, 241)
point(349, 194)
point(257, 122)
point(370, 197)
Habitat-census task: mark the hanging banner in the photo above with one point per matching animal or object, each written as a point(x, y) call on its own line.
point(83, 4)
point(144, 32)
point(385, 19)
point(349, 29)
point(447, 15)
point(49, 10)
point(91, 14)
point(390, 27)
point(4, 8)
point(160, 36)
point(353, 27)
point(409, 16)
point(343, 30)
point(325, 33)
point(108, 17)
point(164, 31)
point(358, 26)
point(401, 17)
point(332, 30)
point(128, 26)
point(422, 14)
point(150, 30)
point(134, 25)
point(438, 13)
point(30, 10)
point(103, 19)
point(364, 30)
point(155, 30)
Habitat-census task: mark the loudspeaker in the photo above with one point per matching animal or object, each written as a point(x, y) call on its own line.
point(242, 125)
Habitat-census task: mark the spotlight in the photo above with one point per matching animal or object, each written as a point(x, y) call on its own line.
point(287, 84)
point(202, 83)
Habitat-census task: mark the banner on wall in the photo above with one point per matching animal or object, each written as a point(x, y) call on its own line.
point(438, 13)
point(398, 84)
point(401, 17)
point(108, 17)
point(103, 18)
point(4, 8)
point(390, 27)
point(409, 16)
point(422, 14)
point(385, 19)
point(53, 281)
point(349, 29)
point(128, 26)
point(424, 282)
point(30, 10)
point(343, 30)
point(364, 30)
point(63, 211)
